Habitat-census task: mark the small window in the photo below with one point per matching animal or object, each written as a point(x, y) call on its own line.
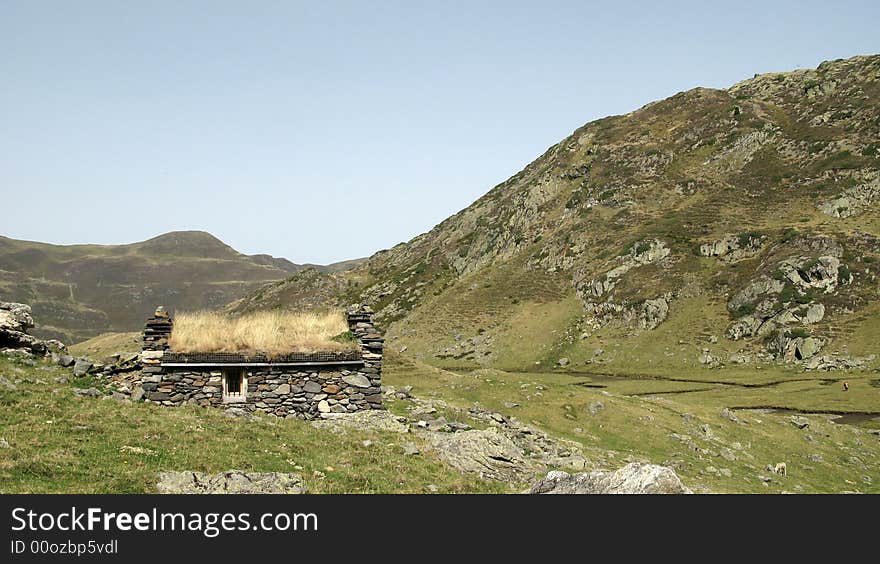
point(234, 385)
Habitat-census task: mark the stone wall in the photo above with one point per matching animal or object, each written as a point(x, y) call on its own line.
point(306, 388)
point(303, 392)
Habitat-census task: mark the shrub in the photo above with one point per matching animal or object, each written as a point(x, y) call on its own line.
point(789, 234)
point(744, 310)
point(797, 333)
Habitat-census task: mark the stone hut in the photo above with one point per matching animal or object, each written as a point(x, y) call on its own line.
point(302, 385)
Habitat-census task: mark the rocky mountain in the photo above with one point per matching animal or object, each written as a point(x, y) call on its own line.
point(79, 291)
point(713, 227)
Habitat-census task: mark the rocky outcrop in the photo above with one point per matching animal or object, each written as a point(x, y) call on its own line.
point(790, 347)
point(640, 254)
point(855, 200)
point(230, 482)
point(598, 294)
point(488, 453)
point(772, 306)
point(821, 273)
point(732, 248)
point(15, 322)
point(506, 450)
point(634, 478)
point(373, 420)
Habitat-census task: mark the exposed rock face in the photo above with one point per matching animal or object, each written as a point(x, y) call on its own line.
point(488, 453)
point(821, 273)
point(732, 248)
point(640, 254)
point(855, 200)
point(230, 482)
point(634, 478)
point(373, 420)
point(771, 306)
point(599, 299)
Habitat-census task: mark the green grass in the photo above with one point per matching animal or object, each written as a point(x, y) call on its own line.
point(62, 443)
point(642, 415)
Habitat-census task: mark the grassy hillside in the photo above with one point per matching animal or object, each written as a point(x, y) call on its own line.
point(712, 219)
point(79, 291)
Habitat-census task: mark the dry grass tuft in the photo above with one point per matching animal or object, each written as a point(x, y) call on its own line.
point(269, 332)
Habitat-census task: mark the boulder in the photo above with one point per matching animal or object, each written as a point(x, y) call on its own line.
point(15, 320)
point(15, 317)
point(488, 453)
point(66, 360)
point(82, 366)
point(634, 478)
point(230, 482)
point(370, 420)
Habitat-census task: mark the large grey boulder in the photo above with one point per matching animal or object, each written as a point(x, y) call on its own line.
point(230, 482)
point(15, 321)
point(488, 453)
point(634, 478)
point(82, 366)
point(15, 317)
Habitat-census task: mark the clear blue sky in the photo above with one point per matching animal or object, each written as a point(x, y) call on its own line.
point(322, 131)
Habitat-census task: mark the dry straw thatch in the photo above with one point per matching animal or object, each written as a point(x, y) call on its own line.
point(269, 332)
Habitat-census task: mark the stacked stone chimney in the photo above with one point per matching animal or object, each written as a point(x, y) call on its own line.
point(360, 323)
point(157, 333)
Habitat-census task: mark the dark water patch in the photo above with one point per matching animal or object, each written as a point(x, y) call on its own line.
point(667, 392)
point(589, 385)
point(842, 417)
point(608, 377)
point(874, 383)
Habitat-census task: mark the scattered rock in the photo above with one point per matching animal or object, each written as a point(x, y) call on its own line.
point(595, 407)
point(634, 478)
point(4, 383)
point(799, 422)
point(230, 482)
point(137, 450)
point(88, 392)
point(4, 443)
